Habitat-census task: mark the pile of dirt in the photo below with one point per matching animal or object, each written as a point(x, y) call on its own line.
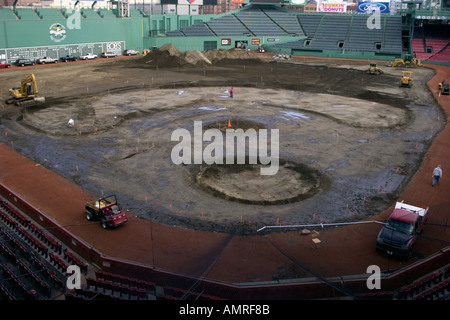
point(170, 56)
point(221, 54)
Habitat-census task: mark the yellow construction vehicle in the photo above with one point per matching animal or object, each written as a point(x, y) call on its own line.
point(374, 69)
point(409, 61)
point(27, 92)
point(444, 88)
point(407, 80)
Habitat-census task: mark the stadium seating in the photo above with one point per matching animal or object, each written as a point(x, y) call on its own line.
point(436, 41)
point(323, 31)
point(433, 286)
point(26, 14)
point(361, 38)
point(443, 56)
point(106, 14)
point(34, 254)
point(332, 31)
point(393, 35)
point(136, 13)
point(287, 21)
point(228, 25)
point(197, 30)
point(89, 14)
point(310, 23)
point(259, 23)
point(49, 13)
point(7, 14)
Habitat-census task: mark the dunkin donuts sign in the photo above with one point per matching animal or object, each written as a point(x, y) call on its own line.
point(328, 6)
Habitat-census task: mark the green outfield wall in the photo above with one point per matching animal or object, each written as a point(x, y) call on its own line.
point(56, 38)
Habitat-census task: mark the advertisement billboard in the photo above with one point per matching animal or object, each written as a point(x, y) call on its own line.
point(370, 7)
point(297, 2)
point(329, 6)
point(197, 2)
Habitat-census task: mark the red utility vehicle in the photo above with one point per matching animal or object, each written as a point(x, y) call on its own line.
point(107, 210)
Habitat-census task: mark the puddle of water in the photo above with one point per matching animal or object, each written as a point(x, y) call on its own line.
point(294, 115)
point(212, 108)
point(341, 106)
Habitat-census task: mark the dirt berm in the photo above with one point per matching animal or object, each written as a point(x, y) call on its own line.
point(170, 56)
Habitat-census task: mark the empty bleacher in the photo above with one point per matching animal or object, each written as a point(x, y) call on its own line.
point(26, 14)
point(432, 286)
point(442, 56)
point(259, 23)
point(347, 32)
point(418, 47)
point(49, 13)
point(287, 21)
point(392, 41)
point(332, 31)
point(89, 14)
point(33, 263)
point(254, 21)
point(106, 14)
point(361, 38)
point(197, 30)
point(136, 13)
point(7, 14)
point(310, 23)
point(227, 25)
point(435, 42)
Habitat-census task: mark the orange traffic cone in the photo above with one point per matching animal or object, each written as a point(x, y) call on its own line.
point(229, 123)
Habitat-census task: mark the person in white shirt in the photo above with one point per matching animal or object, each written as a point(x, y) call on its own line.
point(437, 175)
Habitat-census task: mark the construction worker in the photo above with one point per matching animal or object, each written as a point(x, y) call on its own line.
point(437, 175)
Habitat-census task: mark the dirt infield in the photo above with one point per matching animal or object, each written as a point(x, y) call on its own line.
point(60, 178)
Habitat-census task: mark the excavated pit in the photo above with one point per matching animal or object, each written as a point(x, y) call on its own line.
point(243, 183)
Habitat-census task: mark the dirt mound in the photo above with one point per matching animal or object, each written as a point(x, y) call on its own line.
point(220, 54)
point(195, 57)
point(171, 49)
point(170, 56)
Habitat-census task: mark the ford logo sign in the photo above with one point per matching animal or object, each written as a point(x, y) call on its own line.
point(372, 6)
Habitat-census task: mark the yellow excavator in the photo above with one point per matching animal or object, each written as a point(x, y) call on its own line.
point(407, 61)
point(26, 93)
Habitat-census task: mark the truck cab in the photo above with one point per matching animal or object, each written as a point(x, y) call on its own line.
point(107, 211)
point(399, 234)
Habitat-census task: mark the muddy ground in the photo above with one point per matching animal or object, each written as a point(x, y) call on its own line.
point(349, 142)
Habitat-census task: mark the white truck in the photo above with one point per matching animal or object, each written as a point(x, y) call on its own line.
point(88, 56)
point(45, 60)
